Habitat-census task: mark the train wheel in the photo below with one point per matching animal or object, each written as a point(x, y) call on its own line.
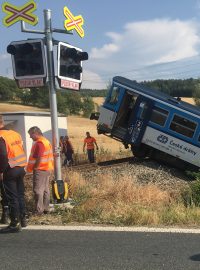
point(139, 152)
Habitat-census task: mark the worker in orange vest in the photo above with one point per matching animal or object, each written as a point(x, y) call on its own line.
point(41, 164)
point(12, 163)
point(90, 142)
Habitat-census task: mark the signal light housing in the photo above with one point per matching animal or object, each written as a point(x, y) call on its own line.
point(28, 60)
point(70, 66)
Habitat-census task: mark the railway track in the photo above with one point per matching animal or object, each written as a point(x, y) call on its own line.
point(103, 164)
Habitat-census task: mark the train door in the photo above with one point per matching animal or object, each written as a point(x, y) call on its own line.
point(124, 113)
point(138, 120)
point(125, 110)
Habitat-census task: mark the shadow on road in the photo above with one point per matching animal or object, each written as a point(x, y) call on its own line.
point(195, 257)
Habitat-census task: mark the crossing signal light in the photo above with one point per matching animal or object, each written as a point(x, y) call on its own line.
point(28, 59)
point(70, 65)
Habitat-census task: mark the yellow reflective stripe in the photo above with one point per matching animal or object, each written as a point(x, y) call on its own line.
point(18, 157)
point(32, 161)
point(66, 190)
point(48, 152)
point(16, 163)
point(46, 159)
point(56, 190)
point(41, 160)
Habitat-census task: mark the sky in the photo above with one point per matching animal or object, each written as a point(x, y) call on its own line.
point(138, 39)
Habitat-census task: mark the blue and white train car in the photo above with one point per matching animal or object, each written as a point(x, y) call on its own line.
point(153, 123)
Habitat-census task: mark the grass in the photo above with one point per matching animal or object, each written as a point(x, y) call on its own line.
point(105, 199)
point(119, 202)
point(143, 196)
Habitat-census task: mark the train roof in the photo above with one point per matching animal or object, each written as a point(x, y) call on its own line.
point(158, 94)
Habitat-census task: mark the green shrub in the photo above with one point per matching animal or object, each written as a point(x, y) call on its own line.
point(186, 196)
point(195, 190)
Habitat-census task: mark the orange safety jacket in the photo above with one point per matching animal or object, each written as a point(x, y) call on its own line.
point(46, 162)
point(14, 148)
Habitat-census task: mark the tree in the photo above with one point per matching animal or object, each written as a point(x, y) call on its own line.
point(69, 102)
point(8, 89)
point(87, 106)
point(62, 104)
point(196, 94)
point(25, 96)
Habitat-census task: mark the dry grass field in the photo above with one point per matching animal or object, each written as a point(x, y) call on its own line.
point(189, 100)
point(7, 107)
point(98, 101)
point(77, 126)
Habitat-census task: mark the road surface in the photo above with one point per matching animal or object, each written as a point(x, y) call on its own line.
point(102, 249)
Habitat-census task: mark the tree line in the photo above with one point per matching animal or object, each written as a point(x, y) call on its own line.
point(68, 102)
point(71, 102)
point(175, 88)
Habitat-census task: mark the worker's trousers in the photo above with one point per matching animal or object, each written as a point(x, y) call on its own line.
point(90, 153)
point(13, 183)
point(4, 200)
point(41, 190)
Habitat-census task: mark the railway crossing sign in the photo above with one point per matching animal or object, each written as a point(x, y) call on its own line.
point(73, 22)
point(23, 13)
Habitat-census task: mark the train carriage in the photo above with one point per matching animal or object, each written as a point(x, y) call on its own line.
point(152, 123)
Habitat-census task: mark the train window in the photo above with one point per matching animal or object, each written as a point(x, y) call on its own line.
point(183, 126)
point(114, 95)
point(144, 107)
point(159, 116)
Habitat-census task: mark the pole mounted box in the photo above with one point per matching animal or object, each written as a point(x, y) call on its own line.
point(28, 61)
point(70, 66)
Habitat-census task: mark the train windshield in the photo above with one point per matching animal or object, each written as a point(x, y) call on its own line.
point(114, 97)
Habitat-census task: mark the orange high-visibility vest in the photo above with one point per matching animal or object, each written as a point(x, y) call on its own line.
point(14, 148)
point(46, 162)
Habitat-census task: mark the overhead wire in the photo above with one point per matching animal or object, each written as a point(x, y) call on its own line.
point(161, 73)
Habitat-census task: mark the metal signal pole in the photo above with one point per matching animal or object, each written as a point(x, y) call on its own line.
point(52, 94)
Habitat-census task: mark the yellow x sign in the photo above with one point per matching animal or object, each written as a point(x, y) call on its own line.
point(23, 13)
point(73, 22)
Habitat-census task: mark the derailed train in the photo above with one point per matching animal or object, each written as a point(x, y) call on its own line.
point(152, 123)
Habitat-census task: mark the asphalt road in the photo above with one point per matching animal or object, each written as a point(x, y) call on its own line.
point(52, 250)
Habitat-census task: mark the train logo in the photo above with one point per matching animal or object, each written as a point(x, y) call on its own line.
point(162, 138)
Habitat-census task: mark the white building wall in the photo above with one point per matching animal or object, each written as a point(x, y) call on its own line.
point(23, 121)
point(16, 122)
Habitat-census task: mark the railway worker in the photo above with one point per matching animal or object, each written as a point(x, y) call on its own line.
point(90, 141)
point(61, 143)
point(68, 151)
point(12, 163)
point(41, 164)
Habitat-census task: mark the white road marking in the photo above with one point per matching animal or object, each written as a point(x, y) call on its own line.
point(111, 229)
